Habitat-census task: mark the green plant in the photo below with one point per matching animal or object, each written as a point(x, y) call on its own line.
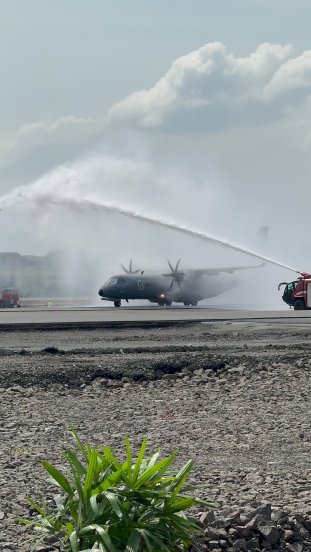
point(108, 506)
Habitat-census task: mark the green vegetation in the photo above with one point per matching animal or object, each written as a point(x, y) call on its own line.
point(109, 506)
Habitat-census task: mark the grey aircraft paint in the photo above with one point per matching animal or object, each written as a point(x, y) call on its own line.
point(186, 287)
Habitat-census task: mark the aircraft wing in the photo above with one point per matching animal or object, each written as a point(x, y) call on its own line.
point(216, 271)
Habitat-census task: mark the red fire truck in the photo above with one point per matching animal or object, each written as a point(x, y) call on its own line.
point(297, 294)
point(9, 298)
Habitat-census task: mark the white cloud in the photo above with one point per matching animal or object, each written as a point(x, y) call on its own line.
point(212, 88)
point(295, 75)
point(36, 135)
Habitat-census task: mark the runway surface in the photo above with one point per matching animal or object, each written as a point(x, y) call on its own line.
point(96, 317)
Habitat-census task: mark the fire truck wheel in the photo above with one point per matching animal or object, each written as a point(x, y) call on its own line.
point(299, 304)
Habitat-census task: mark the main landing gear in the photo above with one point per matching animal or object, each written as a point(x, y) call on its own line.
point(193, 303)
point(117, 303)
point(166, 302)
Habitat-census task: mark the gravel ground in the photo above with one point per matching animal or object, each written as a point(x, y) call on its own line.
point(233, 397)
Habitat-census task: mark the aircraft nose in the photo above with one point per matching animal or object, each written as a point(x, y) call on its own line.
point(100, 292)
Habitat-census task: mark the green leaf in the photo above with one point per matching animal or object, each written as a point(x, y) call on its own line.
point(180, 505)
point(129, 459)
point(24, 521)
point(97, 508)
point(36, 507)
point(78, 486)
point(139, 460)
point(152, 541)
point(153, 459)
point(91, 471)
point(69, 526)
point(58, 477)
point(155, 472)
point(74, 512)
point(133, 542)
point(182, 477)
point(103, 534)
point(111, 459)
point(111, 481)
point(115, 504)
point(74, 542)
point(78, 441)
point(75, 463)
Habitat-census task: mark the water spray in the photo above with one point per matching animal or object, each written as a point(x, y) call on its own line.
point(80, 205)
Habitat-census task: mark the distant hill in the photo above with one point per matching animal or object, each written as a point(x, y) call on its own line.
point(32, 275)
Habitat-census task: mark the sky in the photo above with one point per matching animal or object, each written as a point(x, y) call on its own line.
point(197, 111)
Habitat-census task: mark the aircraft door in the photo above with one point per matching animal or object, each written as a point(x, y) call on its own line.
point(140, 285)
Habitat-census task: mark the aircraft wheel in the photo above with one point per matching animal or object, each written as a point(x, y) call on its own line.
point(161, 303)
point(168, 303)
point(186, 303)
point(194, 304)
point(117, 303)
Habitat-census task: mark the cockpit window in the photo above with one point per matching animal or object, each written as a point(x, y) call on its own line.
point(114, 280)
point(111, 281)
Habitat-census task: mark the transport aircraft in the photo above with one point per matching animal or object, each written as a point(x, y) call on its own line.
point(178, 286)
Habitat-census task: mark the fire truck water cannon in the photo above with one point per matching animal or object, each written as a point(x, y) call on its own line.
point(297, 294)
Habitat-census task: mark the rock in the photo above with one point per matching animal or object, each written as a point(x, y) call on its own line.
point(299, 517)
point(216, 534)
point(239, 545)
point(269, 532)
point(17, 389)
point(207, 517)
point(247, 530)
point(252, 544)
point(213, 545)
point(295, 547)
point(279, 516)
point(288, 535)
point(233, 518)
point(299, 530)
point(263, 510)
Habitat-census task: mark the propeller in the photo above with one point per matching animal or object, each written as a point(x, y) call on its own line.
point(176, 275)
point(130, 270)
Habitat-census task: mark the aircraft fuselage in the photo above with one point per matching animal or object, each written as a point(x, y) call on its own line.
point(158, 289)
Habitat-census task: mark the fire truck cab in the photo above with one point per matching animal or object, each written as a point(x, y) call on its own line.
point(297, 294)
point(9, 298)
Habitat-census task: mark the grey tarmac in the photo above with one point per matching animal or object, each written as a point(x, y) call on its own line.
point(96, 317)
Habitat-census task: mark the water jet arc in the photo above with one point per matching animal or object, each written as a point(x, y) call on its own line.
point(81, 204)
